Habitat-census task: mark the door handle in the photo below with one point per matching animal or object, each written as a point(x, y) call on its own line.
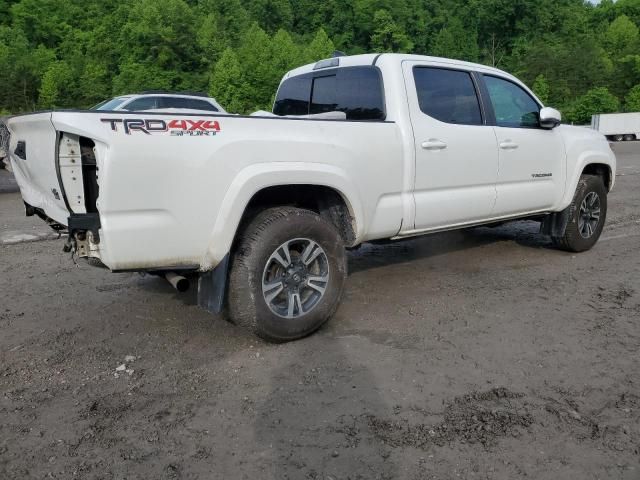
point(508, 145)
point(433, 144)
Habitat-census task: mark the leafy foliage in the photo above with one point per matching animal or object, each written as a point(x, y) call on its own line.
point(632, 100)
point(596, 100)
point(579, 57)
point(541, 88)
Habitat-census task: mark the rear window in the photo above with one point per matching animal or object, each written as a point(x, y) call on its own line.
point(447, 95)
point(356, 91)
point(293, 96)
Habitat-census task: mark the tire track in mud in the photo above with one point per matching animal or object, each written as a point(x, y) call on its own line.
point(486, 417)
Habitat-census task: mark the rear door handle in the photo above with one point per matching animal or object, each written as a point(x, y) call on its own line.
point(433, 144)
point(508, 145)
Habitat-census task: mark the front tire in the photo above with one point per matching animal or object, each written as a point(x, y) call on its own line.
point(587, 215)
point(287, 274)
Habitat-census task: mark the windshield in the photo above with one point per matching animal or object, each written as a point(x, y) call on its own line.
point(111, 104)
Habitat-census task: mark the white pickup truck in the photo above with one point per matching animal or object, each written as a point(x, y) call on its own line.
point(263, 207)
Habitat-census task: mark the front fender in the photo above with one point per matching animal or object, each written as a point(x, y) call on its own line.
point(586, 159)
point(584, 147)
point(256, 177)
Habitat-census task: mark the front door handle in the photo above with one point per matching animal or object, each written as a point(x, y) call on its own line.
point(434, 144)
point(508, 145)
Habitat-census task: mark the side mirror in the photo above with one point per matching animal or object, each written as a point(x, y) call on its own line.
point(549, 118)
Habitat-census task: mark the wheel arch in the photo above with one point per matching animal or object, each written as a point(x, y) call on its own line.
point(322, 188)
point(601, 170)
point(591, 162)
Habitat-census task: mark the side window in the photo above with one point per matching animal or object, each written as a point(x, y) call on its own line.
point(447, 95)
point(356, 91)
point(144, 103)
point(513, 106)
point(293, 97)
point(187, 103)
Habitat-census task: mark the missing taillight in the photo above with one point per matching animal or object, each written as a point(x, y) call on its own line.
point(89, 174)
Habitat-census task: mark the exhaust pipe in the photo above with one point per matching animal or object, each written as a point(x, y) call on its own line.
point(178, 282)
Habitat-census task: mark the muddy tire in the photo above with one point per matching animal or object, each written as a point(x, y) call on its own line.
point(587, 215)
point(287, 274)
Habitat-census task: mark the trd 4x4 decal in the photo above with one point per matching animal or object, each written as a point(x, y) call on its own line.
point(189, 128)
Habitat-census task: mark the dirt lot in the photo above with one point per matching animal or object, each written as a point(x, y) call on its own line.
point(485, 354)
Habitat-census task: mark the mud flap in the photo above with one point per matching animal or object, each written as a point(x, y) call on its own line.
point(555, 224)
point(212, 286)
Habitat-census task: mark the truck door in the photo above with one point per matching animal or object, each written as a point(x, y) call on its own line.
point(456, 152)
point(531, 174)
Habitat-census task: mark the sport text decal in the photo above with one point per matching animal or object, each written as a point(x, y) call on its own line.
point(179, 128)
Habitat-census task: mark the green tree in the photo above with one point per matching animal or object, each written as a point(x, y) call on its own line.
point(622, 37)
point(210, 40)
point(21, 70)
point(541, 88)
point(285, 55)
point(55, 82)
point(455, 41)
point(320, 47)
point(254, 55)
point(632, 100)
point(387, 35)
point(137, 77)
point(226, 84)
point(272, 14)
point(596, 100)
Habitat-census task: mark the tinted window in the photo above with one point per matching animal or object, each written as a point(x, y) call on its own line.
point(324, 96)
point(513, 106)
point(293, 96)
point(187, 103)
point(357, 91)
point(110, 104)
point(447, 95)
point(144, 103)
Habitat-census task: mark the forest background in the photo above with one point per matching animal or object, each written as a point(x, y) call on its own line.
point(579, 57)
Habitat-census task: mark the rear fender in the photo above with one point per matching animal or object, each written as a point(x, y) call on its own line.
point(256, 177)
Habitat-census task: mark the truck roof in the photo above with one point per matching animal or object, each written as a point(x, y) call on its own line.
point(375, 58)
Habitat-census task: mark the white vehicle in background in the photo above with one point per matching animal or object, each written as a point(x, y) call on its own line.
point(161, 101)
point(4, 144)
point(263, 208)
point(617, 127)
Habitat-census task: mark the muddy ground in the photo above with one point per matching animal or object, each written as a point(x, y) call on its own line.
point(483, 354)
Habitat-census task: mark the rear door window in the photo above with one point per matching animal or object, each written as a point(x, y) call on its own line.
point(447, 95)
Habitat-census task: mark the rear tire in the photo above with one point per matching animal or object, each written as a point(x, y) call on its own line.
point(287, 274)
point(587, 215)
